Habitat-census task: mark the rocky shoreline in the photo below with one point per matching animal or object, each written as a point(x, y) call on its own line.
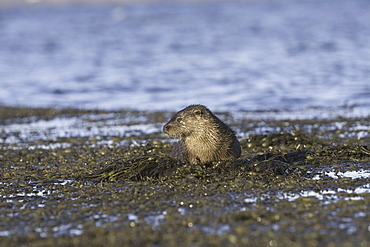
point(73, 177)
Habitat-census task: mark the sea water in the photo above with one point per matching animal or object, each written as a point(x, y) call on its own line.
point(228, 55)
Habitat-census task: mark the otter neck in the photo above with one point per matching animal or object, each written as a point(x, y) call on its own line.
point(203, 146)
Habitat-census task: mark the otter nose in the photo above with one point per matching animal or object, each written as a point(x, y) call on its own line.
point(166, 127)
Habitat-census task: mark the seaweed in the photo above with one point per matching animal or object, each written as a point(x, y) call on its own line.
point(287, 188)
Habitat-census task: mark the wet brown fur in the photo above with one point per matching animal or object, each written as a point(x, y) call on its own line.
point(203, 136)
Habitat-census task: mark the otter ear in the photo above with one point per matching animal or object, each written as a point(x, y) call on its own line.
point(198, 113)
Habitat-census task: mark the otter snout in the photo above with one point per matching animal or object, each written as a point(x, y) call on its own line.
point(166, 128)
point(171, 129)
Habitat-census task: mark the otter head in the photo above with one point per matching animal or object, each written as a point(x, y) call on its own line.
point(187, 121)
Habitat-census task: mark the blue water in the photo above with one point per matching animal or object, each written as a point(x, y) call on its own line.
point(164, 56)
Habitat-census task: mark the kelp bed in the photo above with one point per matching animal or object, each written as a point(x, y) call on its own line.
point(105, 180)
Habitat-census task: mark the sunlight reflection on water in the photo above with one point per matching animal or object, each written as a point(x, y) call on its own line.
point(164, 56)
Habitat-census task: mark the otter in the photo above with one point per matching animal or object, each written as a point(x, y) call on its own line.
point(204, 138)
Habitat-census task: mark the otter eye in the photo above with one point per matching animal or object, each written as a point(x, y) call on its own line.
point(179, 119)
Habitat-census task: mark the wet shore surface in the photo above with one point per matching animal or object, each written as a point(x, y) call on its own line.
point(72, 177)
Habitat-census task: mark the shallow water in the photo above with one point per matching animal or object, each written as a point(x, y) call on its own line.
point(227, 55)
point(104, 128)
